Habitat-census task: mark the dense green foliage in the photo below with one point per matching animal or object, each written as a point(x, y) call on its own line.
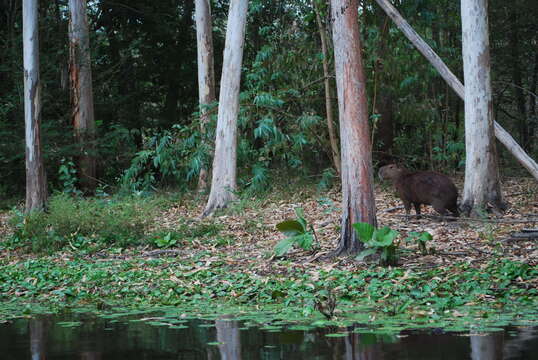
point(84, 224)
point(417, 297)
point(144, 76)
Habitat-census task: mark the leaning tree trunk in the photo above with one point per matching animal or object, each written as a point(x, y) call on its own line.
point(36, 183)
point(328, 100)
point(482, 184)
point(206, 74)
point(504, 137)
point(223, 183)
point(80, 76)
point(358, 203)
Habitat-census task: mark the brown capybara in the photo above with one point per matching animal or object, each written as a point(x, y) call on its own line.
point(422, 187)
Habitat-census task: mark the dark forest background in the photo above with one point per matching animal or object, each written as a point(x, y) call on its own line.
point(146, 95)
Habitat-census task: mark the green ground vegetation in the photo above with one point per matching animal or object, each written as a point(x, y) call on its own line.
point(146, 252)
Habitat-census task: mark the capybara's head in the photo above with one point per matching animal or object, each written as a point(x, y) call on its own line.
point(391, 171)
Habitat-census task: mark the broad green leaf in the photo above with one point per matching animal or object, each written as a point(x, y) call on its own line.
point(300, 217)
point(385, 236)
point(425, 236)
point(366, 253)
point(304, 241)
point(365, 231)
point(284, 246)
point(290, 227)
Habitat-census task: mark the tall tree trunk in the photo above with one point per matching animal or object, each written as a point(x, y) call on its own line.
point(504, 137)
point(358, 202)
point(223, 182)
point(80, 76)
point(206, 74)
point(328, 100)
point(36, 182)
point(482, 184)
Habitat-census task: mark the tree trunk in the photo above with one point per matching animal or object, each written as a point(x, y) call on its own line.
point(328, 100)
point(504, 137)
point(36, 183)
point(223, 183)
point(358, 202)
point(80, 76)
point(482, 184)
point(206, 74)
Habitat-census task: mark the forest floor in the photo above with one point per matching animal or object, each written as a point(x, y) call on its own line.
point(231, 256)
point(251, 229)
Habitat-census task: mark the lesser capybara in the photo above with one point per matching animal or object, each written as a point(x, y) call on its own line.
point(422, 187)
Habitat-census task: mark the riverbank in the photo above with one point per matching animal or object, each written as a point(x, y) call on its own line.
point(476, 273)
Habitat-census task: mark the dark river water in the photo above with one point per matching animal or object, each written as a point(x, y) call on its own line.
point(94, 338)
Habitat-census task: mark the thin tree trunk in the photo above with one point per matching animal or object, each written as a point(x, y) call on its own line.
point(223, 182)
point(206, 75)
point(36, 183)
point(504, 137)
point(328, 100)
point(358, 202)
point(80, 76)
point(482, 184)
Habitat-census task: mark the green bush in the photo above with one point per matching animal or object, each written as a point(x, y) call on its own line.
point(78, 222)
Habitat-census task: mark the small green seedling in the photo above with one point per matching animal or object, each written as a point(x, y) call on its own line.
point(297, 232)
point(165, 241)
point(420, 238)
point(378, 240)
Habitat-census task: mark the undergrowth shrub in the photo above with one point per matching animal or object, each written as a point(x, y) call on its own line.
point(113, 221)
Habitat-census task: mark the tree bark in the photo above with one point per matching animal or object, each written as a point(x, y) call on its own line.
point(80, 76)
point(223, 183)
point(504, 137)
point(358, 202)
point(36, 183)
point(206, 75)
point(328, 100)
point(482, 184)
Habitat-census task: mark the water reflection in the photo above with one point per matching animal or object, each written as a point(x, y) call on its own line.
point(229, 339)
point(487, 346)
point(86, 337)
point(38, 340)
